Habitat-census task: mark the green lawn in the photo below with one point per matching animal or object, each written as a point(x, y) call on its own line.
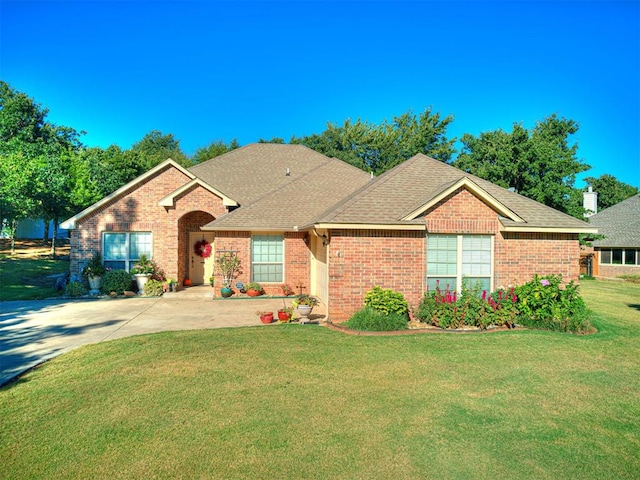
point(306, 402)
point(25, 277)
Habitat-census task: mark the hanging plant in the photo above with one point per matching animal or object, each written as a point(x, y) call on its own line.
point(202, 248)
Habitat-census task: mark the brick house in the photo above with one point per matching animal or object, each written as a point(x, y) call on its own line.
point(619, 252)
point(297, 217)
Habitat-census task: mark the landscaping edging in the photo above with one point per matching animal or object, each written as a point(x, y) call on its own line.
point(413, 331)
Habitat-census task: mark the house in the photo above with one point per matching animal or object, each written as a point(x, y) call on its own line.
point(324, 227)
point(618, 253)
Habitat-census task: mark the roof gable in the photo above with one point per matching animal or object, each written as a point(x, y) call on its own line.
point(168, 163)
point(470, 186)
point(169, 200)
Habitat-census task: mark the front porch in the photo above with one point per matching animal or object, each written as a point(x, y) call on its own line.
point(240, 305)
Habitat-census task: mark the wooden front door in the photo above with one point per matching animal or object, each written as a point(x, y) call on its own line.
point(200, 269)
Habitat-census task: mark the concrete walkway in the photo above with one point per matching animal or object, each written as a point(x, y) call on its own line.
point(32, 332)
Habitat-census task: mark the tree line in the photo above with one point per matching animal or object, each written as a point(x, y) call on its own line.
point(47, 172)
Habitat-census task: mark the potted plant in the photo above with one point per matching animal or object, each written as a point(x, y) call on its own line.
point(285, 314)
point(253, 289)
point(143, 270)
point(94, 271)
point(266, 317)
point(228, 266)
point(211, 281)
point(304, 304)
point(287, 291)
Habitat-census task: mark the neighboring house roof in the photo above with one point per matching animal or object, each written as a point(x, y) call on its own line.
point(71, 222)
point(271, 199)
point(402, 195)
point(620, 224)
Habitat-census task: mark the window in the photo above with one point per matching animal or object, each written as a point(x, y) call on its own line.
point(123, 249)
point(620, 256)
point(267, 258)
point(454, 259)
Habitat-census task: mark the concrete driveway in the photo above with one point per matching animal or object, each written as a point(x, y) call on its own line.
point(32, 332)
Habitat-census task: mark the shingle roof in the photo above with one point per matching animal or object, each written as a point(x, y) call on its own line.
point(414, 182)
point(619, 223)
point(253, 171)
point(255, 176)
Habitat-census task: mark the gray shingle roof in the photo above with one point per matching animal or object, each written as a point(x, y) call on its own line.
point(255, 176)
point(619, 223)
point(414, 182)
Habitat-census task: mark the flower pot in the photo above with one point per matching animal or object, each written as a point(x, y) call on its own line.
point(284, 317)
point(226, 292)
point(141, 280)
point(94, 284)
point(253, 293)
point(266, 318)
point(304, 311)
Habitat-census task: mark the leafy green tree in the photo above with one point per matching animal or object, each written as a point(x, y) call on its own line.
point(34, 155)
point(378, 148)
point(273, 140)
point(610, 190)
point(540, 164)
point(155, 147)
point(214, 149)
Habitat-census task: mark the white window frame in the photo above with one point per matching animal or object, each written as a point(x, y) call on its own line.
point(283, 263)
point(459, 277)
point(129, 262)
point(624, 251)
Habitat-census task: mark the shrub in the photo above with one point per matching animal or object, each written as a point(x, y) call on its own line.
point(544, 305)
point(75, 289)
point(116, 281)
point(153, 288)
point(386, 301)
point(374, 320)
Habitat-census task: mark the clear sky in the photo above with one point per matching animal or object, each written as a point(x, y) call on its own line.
point(208, 70)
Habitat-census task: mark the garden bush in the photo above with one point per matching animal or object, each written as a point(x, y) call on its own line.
point(153, 288)
point(116, 281)
point(386, 301)
point(75, 289)
point(373, 320)
point(543, 304)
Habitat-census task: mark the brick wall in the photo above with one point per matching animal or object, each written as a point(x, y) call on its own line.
point(362, 259)
point(137, 210)
point(518, 256)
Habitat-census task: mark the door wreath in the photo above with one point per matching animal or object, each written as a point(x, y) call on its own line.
point(202, 248)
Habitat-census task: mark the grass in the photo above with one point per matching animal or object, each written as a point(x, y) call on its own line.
point(306, 402)
point(25, 274)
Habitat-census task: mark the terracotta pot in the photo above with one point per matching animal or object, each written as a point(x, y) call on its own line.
point(284, 316)
point(253, 293)
point(266, 318)
point(187, 282)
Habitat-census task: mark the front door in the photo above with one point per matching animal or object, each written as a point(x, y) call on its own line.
point(319, 270)
point(200, 269)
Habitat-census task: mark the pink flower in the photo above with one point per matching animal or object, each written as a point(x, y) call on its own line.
point(544, 282)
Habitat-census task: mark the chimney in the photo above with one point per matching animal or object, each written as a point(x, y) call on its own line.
point(590, 202)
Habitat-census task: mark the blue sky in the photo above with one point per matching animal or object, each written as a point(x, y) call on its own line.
point(208, 71)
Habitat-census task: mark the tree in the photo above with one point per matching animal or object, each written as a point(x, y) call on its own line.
point(539, 164)
point(34, 155)
point(155, 147)
point(273, 140)
point(610, 190)
point(378, 148)
point(214, 149)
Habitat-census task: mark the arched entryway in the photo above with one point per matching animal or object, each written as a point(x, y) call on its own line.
point(193, 266)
